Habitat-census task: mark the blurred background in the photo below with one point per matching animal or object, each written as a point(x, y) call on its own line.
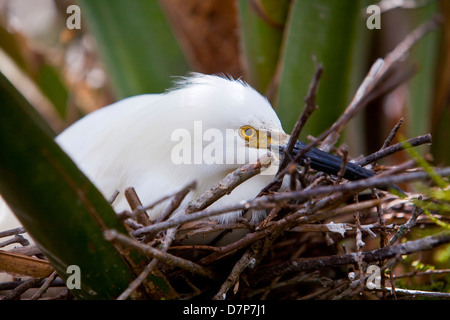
point(123, 48)
point(69, 58)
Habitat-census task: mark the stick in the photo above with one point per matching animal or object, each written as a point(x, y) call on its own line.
point(392, 134)
point(270, 201)
point(372, 182)
point(174, 204)
point(176, 201)
point(356, 104)
point(340, 228)
point(422, 273)
point(196, 209)
point(310, 107)
point(417, 293)
point(273, 229)
point(138, 281)
point(359, 245)
point(382, 153)
point(377, 75)
point(247, 259)
point(114, 236)
point(229, 183)
point(405, 228)
point(18, 238)
point(136, 206)
point(113, 197)
point(45, 286)
point(309, 264)
point(12, 232)
point(17, 291)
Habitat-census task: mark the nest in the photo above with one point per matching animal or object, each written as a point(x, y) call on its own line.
point(323, 238)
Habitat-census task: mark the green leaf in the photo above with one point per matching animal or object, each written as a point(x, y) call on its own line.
point(46, 76)
point(326, 30)
point(422, 86)
point(261, 29)
point(136, 44)
point(59, 207)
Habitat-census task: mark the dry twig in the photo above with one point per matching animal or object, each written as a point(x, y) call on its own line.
point(309, 264)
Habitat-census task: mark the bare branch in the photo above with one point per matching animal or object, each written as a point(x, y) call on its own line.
point(310, 107)
point(114, 236)
point(309, 264)
point(246, 260)
point(405, 228)
point(136, 206)
point(270, 201)
point(392, 134)
point(229, 183)
point(382, 153)
point(176, 201)
point(12, 232)
point(417, 293)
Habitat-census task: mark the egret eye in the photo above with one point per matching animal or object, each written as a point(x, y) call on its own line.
point(248, 132)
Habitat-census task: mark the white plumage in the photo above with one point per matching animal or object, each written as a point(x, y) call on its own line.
point(130, 143)
point(136, 143)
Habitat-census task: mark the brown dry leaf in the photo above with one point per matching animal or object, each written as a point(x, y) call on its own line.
point(19, 264)
point(208, 33)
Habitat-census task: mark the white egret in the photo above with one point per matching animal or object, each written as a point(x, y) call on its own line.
point(204, 128)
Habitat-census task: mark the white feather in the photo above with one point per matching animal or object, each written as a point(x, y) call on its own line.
point(129, 142)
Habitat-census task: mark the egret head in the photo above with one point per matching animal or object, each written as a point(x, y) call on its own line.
point(232, 122)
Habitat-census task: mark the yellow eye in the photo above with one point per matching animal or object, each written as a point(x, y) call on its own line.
point(248, 132)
